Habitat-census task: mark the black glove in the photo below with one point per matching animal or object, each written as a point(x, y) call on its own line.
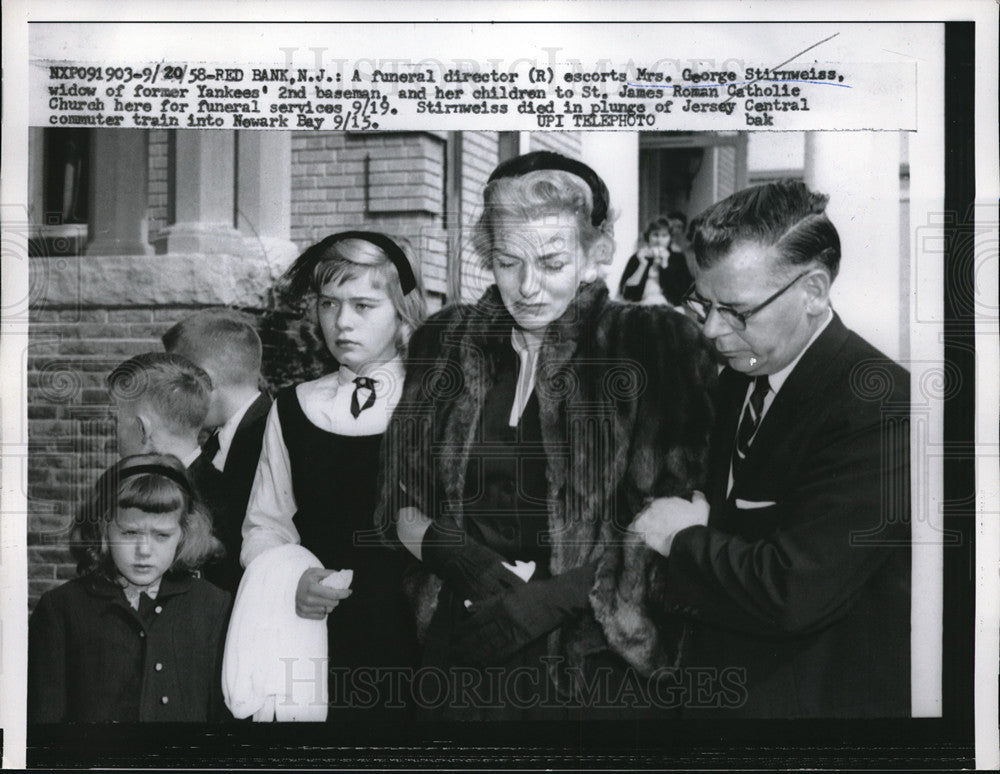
point(501, 626)
point(474, 571)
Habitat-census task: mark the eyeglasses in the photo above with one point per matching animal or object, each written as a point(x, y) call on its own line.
point(734, 319)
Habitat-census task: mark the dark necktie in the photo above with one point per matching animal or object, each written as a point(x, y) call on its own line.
point(211, 446)
point(749, 422)
point(362, 383)
point(147, 606)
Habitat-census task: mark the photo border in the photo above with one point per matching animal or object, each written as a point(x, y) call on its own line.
point(946, 742)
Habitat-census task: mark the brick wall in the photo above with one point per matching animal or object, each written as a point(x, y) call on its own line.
point(480, 155)
point(159, 184)
point(392, 182)
point(566, 143)
point(389, 181)
point(71, 420)
point(70, 424)
point(96, 311)
point(725, 165)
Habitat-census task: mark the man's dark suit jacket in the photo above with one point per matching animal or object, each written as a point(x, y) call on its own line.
point(227, 492)
point(802, 577)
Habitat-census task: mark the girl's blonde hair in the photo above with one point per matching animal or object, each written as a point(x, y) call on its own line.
point(153, 483)
point(348, 259)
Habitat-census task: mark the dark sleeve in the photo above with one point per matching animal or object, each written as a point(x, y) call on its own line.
point(47, 664)
point(634, 292)
point(250, 442)
point(406, 463)
point(223, 608)
point(668, 450)
point(843, 520)
point(672, 409)
point(677, 279)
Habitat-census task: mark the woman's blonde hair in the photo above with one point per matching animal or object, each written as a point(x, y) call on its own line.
point(537, 195)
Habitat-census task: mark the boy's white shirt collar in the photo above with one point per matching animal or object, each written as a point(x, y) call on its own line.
point(188, 459)
point(228, 431)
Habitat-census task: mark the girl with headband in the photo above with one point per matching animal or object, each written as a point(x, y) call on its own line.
point(534, 425)
point(136, 637)
point(317, 476)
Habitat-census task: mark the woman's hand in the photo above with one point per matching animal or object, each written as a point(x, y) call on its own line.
point(474, 571)
point(313, 599)
point(663, 518)
point(655, 253)
point(500, 626)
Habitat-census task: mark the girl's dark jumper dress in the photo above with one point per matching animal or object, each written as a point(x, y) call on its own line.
point(335, 479)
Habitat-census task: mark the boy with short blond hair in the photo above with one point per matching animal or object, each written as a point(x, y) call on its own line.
point(225, 344)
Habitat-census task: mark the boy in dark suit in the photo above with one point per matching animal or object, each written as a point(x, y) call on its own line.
point(796, 571)
point(226, 345)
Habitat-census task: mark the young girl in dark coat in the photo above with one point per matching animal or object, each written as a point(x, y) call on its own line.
point(137, 637)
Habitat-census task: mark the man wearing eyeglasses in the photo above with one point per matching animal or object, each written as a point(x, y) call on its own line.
point(796, 571)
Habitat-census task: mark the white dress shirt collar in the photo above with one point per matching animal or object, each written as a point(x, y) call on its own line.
point(776, 380)
point(228, 431)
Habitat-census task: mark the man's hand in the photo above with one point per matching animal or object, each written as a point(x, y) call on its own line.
point(313, 599)
point(662, 519)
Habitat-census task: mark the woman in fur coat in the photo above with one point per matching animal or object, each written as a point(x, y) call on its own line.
point(534, 426)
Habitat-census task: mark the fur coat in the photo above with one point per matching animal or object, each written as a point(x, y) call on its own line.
point(624, 397)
